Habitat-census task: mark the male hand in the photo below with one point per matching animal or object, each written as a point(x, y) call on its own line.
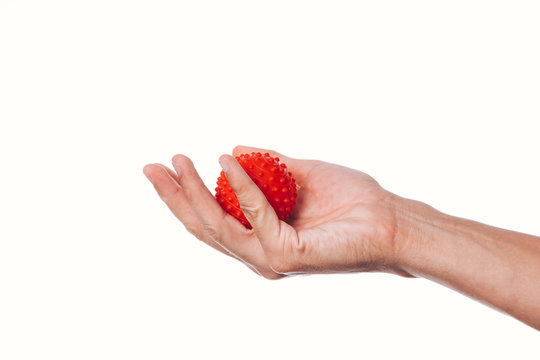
point(343, 221)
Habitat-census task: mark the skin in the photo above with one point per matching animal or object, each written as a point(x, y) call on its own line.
point(344, 221)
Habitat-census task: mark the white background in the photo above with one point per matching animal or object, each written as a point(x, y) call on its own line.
point(439, 101)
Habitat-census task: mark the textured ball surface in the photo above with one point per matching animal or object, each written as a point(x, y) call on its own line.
point(271, 176)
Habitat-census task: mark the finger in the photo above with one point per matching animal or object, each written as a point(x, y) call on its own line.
point(166, 184)
point(253, 203)
point(218, 225)
point(299, 168)
point(172, 195)
point(201, 200)
point(170, 172)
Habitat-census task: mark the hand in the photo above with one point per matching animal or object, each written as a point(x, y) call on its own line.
point(343, 221)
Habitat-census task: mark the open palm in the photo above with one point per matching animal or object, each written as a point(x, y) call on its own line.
point(343, 220)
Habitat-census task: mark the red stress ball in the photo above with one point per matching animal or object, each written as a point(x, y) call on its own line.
point(271, 176)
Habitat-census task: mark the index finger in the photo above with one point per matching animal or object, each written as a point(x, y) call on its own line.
point(217, 224)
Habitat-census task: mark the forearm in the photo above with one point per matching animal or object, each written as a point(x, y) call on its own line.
point(495, 266)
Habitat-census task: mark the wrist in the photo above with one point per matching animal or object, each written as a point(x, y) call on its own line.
point(416, 226)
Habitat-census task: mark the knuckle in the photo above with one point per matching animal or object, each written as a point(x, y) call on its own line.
point(169, 198)
point(290, 258)
point(298, 246)
point(212, 231)
point(281, 266)
point(271, 275)
point(250, 212)
point(243, 193)
point(192, 230)
point(165, 198)
point(253, 210)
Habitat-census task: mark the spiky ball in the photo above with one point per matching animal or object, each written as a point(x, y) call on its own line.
point(271, 176)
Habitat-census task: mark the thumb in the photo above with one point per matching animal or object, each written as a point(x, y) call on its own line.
point(253, 203)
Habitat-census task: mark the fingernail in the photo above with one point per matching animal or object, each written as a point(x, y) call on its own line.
point(147, 173)
point(224, 165)
point(177, 169)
